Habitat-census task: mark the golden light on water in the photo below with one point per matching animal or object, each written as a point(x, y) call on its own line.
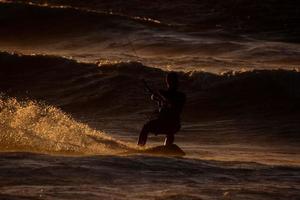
point(33, 127)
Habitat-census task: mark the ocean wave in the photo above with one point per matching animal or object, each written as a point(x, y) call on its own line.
point(42, 21)
point(118, 88)
point(272, 19)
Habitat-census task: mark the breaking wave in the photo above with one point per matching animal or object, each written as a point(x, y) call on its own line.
point(117, 88)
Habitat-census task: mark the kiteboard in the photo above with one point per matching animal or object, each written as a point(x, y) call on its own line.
point(162, 150)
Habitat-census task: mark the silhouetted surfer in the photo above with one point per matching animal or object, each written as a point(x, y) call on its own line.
point(170, 103)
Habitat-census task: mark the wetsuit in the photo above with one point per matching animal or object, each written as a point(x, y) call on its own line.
point(170, 103)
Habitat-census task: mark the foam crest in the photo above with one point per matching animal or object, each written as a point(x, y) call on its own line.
point(32, 126)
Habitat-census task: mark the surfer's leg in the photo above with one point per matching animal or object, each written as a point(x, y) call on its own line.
point(169, 139)
point(143, 136)
point(172, 128)
point(151, 126)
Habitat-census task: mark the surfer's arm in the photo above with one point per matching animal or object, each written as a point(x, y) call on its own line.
point(154, 97)
point(159, 96)
point(161, 99)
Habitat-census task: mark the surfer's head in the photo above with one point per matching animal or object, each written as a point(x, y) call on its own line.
point(172, 80)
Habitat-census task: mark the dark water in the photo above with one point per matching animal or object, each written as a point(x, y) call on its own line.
point(29, 176)
point(74, 89)
point(181, 35)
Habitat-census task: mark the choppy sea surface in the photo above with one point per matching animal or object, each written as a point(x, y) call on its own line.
point(72, 100)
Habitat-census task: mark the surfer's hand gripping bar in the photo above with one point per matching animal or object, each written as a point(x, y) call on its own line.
point(156, 95)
